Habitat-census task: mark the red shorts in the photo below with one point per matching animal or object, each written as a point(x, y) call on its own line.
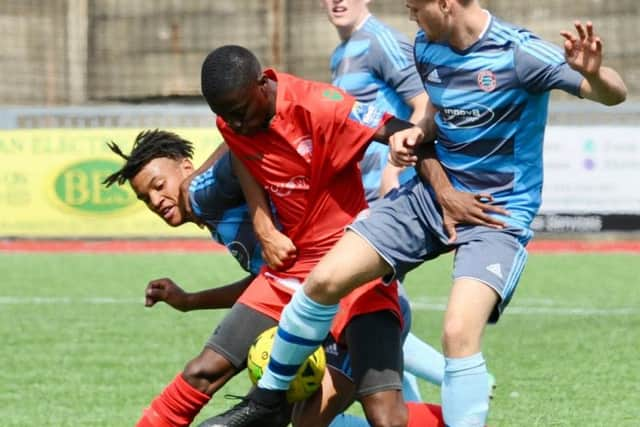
point(269, 293)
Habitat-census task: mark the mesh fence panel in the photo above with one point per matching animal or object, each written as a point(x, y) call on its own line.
point(61, 52)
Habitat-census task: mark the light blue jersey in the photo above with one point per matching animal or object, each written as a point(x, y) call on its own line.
point(492, 102)
point(217, 200)
point(375, 65)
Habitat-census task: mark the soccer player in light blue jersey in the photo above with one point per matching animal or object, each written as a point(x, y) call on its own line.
point(488, 83)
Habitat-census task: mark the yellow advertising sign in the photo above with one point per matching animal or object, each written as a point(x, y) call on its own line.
point(51, 185)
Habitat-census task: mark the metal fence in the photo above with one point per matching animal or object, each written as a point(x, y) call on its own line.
point(77, 52)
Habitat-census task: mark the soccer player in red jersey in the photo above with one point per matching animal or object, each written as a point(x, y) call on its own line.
point(299, 142)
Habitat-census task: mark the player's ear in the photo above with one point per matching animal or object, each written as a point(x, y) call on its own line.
point(445, 6)
point(187, 166)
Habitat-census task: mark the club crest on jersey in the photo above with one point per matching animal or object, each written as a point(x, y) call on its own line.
point(487, 80)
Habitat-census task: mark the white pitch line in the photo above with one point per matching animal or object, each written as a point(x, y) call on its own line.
point(547, 309)
point(523, 307)
point(11, 300)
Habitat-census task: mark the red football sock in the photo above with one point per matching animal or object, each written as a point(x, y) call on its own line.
point(424, 415)
point(176, 406)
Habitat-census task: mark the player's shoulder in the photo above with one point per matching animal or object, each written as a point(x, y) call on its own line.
point(311, 96)
point(382, 34)
point(518, 36)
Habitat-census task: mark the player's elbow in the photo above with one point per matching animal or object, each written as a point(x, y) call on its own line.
point(617, 98)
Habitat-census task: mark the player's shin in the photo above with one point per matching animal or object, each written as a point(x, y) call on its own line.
point(304, 324)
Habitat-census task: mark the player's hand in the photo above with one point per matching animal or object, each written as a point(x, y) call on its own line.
point(278, 251)
point(583, 52)
point(459, 207)
point(166, 290)
point(402, 146)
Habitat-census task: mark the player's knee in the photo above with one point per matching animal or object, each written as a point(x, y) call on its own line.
point(385, 412)
point(321, 283)
point(457, 339)
point(208, 371)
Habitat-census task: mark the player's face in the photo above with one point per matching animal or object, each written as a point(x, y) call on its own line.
point(431, 17)
point(248, 110)
point(346, 13)
point(158, 186)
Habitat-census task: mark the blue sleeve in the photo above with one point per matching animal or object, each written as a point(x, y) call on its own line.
point(541, 66)
point(391, 58)
point(215, 191)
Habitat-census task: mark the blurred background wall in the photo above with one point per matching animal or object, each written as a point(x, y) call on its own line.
point(78, 73)
point(60, 52)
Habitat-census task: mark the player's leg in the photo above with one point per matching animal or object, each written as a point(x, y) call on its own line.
point(224, 356)
point(377, 371)
point(306, 320)
point(420, 359)
point(376, 360)
point(487, 268)
point(335, 395)
point(392, 239)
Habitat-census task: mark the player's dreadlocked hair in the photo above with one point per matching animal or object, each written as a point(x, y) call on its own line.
point(149, 145)
point(226, 69)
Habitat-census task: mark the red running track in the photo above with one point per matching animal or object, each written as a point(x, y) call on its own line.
point(197, 245)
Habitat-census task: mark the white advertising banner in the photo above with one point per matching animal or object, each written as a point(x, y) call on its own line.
point(592, 178)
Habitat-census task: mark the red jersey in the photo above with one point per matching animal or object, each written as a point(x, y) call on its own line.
point(307, 161)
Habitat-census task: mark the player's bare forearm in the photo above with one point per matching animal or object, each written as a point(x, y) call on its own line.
point(220, 297)
point(430, 168)
point(256, 197)
point(606, 87)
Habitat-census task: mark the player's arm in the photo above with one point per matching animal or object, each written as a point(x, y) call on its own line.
point(168, 291)
point(391, 173)
point(185, 201)
point(278, 251)
point(583, 53)
point(458, 207)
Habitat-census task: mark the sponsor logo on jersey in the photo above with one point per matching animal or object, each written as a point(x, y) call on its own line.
point(473, 115)
point(299, 182)
point(487, 80)
point(79, 187)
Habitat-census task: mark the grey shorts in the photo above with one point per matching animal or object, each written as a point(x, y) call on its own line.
point(236, 333)
point(374, 360)
point(406, 229)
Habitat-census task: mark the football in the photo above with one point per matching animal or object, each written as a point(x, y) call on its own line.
point(308, 378)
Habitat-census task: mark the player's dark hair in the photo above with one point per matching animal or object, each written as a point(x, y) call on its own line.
point(149, 145)
point(226, 69)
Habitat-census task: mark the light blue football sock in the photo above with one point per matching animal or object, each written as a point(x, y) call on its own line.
point(347, 420)
point(465, 391)
point(304, 325)
point(410, 388)
point(422, 360)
